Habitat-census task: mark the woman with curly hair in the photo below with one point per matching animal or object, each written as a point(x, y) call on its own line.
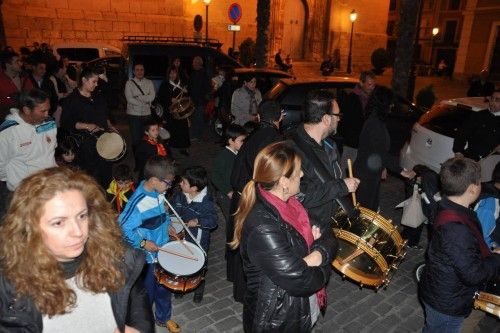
point(63, 262)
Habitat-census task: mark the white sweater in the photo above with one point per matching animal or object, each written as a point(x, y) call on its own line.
point(139, 104)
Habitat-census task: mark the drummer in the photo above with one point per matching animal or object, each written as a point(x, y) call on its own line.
point(85, 114)
point(322, 184)
point(146, 225)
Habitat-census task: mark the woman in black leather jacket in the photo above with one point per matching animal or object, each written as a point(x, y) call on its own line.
point(63, 262)
point(286, 262)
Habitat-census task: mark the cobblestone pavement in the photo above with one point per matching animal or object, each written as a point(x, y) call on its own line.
point(350, 309)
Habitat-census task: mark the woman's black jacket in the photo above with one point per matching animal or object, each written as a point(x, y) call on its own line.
point(279, 282)
point(130, 303)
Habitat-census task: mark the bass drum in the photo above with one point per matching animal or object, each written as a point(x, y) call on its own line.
point(182, 108)
point(370, 248)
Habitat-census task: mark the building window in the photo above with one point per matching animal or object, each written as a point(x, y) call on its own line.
point(450, 31)
point(390, 28)
point(392, 5)
point(454, 5)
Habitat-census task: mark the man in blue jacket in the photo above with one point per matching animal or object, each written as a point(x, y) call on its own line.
point(459, 262)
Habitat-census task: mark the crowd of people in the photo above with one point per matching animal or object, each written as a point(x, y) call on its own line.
point(82, 239)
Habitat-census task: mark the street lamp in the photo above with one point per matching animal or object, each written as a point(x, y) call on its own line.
point(435, 31)
point(353, 16)
point(207, 3)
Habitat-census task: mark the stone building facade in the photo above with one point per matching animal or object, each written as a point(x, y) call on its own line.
point(468, 38)
point(306, 29)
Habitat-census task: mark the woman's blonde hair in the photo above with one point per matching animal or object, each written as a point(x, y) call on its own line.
point(273, 161)
point(28, 264)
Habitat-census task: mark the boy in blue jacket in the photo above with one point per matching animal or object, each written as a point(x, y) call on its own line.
point(196, 208)
point(145, 224)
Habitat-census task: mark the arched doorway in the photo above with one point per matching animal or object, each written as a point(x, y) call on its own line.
point(293, 29)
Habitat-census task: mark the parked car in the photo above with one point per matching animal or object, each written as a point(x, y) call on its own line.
point(266, 77)
point(432, 136)
point(157, 53)
point(291, 94)
point(84, 52)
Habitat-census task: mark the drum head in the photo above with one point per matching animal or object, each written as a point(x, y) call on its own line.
point(176, 224)
point(164, 134)
point(178, 265)
point(110, 145)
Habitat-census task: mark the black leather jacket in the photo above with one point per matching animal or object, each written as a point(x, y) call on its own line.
point(279, 282)
point(322, 183)
point(130, 304)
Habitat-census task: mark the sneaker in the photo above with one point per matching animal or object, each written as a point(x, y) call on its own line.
point(172, 326)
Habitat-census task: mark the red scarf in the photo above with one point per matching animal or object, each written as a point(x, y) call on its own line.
point(160, 149)
point(295, 214)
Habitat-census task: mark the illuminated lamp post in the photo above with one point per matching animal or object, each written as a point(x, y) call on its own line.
point(353, 16)
point(207, 3)
point(435, 31)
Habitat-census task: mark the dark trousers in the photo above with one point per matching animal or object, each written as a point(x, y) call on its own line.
point(136, 126)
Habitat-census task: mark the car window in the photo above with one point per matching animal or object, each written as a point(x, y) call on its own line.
point(109, 53)
point(155, 66)
point(445, 119)
point(295, 95)
point(79, 54)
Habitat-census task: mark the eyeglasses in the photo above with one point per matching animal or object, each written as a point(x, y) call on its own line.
point(167, 182)
point(340, 115)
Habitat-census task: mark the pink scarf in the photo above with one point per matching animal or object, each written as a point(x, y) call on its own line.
point(295, 214)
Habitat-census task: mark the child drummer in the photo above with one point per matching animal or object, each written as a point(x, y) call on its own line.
point(195, 206)
point(146, 225)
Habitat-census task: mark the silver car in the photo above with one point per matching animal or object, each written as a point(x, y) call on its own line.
point(433, 135)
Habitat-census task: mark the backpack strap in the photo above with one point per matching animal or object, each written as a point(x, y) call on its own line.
point(449, 216)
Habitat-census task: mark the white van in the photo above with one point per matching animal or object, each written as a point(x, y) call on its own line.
point(84, 52)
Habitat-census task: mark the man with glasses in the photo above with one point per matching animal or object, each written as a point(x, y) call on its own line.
point(322, 184)
point(480, 133)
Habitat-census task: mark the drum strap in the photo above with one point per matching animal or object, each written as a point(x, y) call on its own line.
point(448, 216)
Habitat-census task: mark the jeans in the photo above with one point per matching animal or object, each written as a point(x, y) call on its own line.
point(437, 322)
point(158, 294)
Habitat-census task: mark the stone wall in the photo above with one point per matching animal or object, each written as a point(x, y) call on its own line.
point(107, 21)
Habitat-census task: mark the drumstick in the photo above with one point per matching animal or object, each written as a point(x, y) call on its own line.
point(175, 253)
point(183, 242)
point(349, 168)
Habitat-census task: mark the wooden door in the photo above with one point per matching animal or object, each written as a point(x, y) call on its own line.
point(293, 30)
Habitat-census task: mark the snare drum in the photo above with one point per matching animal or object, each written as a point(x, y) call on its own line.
point(370, 247)
point(110, 146)
point(178, 227)
point(179, 273)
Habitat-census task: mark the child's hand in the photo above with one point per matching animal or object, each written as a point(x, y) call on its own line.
point(193, 223)
point(151, 246)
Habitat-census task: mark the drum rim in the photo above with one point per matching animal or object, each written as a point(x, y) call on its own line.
point(204, 266)
point(124, 149)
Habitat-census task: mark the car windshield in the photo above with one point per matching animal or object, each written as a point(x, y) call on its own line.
point(79, 54)
point(445, 119)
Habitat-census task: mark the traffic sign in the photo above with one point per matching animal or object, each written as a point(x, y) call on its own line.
point(233, 27)
point(234, 12)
